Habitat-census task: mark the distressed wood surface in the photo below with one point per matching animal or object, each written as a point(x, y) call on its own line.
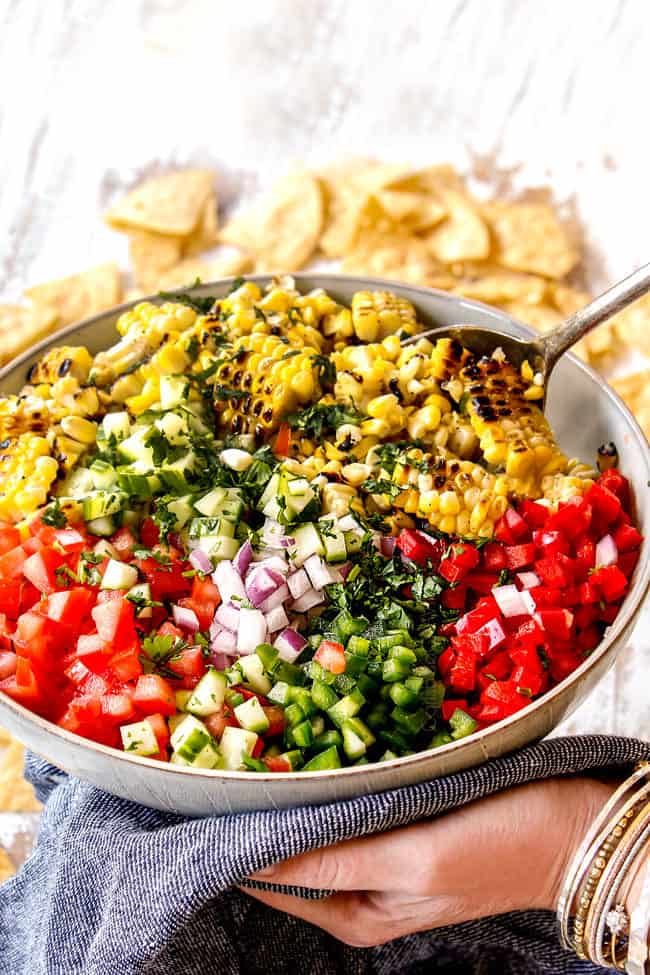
point(93, 95)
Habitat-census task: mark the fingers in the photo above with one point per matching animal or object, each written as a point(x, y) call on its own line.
point(397, 861)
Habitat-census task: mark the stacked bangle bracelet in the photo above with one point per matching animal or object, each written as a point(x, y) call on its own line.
point(606, 860)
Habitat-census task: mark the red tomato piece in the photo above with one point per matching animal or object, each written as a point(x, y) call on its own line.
point(627, 538)
point(556, 572)
point(331, 656)
point(11, 562)
point(494, 557)
point(462, 558)
point(462, 676)
point(124, 543)
point(258, 748)
point(118, 707)
point(455, 597)
point(70, 540)
point(70, 605)
point(153, 694)
point(277, 720)
point(160, 728)
point(617, 484)
point(40, 568)
point(167, 581)
point(282, 444)
point(572, 518)
point(8, 663)
point(627, 562)
point(534, 514)
point(449, 705)
point(189, 665)
point(421, 548)
point(215, 723)
point(114, 621)
point(551, 542)
point(511, 528)
point(611, 582)
point(482, 582)
point(9, 537)
point(10, 593)
point(556, 622)
point(149, 534)
point(486, 609)
point(277, 763)
point(519, 556)
point(446, 661)
point(606, 505)
point(125, 664)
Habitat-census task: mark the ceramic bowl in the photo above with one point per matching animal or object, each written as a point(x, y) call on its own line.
point(584, 412)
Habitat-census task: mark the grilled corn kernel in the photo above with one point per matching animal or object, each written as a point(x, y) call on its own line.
point(356, 474)
point(376, 314)
point(79, 429)
point(423, 422)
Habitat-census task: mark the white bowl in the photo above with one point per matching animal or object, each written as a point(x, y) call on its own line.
point(584, 412)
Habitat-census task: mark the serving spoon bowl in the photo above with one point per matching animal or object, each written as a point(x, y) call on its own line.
point(543, 353)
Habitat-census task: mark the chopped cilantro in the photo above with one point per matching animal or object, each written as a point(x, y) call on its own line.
point(54, 515)
point(381, 485)
point(326, 370)
point(322, 419)
point(202, 305)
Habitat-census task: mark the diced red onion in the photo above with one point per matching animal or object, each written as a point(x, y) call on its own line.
point(228, 581)
point(509, 601)
point(275, 563)
point(200, 561)
point(344, 570)
point(219, 660)
point(243, 558)
point(606, 551)
point(276, 619)
point(272, 533)
point(319, 572)
point(227, 616)
point(298, 583)
point(224, 642)
point(528, 580)
point(290, 644)
point(262, 583)
point(252, 630)
point(387, 545)
point(281, 595)
point(185, 618)
point(311, 598)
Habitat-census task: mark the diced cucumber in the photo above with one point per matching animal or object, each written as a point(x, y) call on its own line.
point(439, 739)
point(116, 425)
point(189, 737)
point(347, 625)
point(137, 483)
point(251, 716)
point(253, 670)
point(222, 503)
point(353, 542)
point(208, 695)
point(299, 487)
point(182, 509)
point(325, 760)
point(211, 526)
point(323, 695)
point(270, 492)
point(219, 547)
point(139, 739)
point(173, 391)
point(103, 474)
point(353, 746)
point(177, 760)
point(106, 550)
point(119, 575)
point(102, 526)
point(302, 734)
point(279, 693)
point(307, 542)
point(100, 504)
point(135, 447)
point(209, 757)
point(178, 474)
point(317, 725)
point(462, 724)
point(174, 428)
point(182, 697)
point(235, 743)
point(77, 484)
point(347, 707)
point(361, 730)
point(333, 541)
point(268, 655)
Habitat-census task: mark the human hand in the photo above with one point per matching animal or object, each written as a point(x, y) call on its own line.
point(508, 852)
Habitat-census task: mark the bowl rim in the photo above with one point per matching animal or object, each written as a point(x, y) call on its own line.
point(629, 610)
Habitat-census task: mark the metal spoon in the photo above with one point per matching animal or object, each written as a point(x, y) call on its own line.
point(544, 352)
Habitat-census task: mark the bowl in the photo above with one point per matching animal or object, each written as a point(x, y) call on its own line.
point(584, 412)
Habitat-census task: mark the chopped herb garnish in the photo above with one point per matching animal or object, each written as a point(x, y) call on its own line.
point(54, 515)
point(322, 419)
point(326, 370)
point(202, 305)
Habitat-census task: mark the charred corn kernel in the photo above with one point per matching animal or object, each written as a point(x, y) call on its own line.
point(149, 395)
point(447, 356)
point(376, 314)
point(26, 475)
point(449, 503)
point(277, 299)
point(332, 452)
point(356, 474)
point(73, 361)
point(527, 373)
point(338, 324)
point(337, 498)
point(423, 422)
point(348, 435)
point(534, 393)
point(79, 429)
point(375, 428)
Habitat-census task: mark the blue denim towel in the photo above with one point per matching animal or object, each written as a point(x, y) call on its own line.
point(114, 888)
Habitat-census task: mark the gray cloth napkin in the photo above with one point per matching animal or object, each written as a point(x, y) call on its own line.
point(114, 888)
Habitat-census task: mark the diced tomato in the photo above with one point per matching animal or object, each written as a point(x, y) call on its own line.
point(169, 629)
point(331, 656)
point(124, 543)
point(462, 558)
point(589, 638)
point(189, 665)
point(149, 534)
point(556, 571)
point(277, 763)
point(493, 631)
point(455, 597)
point(493, 557)
point(613, 481)
point(606, 505)
point(519, 556)
point(421, 548)
point(9, 537)
point(154, 694)
point(627, 538)
point(609, 614)
point(627, 562)
point(215, 723)
point(204, 600)
point(277, 720)
point(126, 664)
point(545, 596)
point(611, 582)
point(585, 555)
point(87, 707)
point(32, 544)
point(282, 444)
point(511, 528)
point(10, 593)
point(114, 620)
point(486, 609)
point(584, 616)
point(571, 519)
point(45, 533)
point(203, 615)
point(462, 676)
point(70, 605)
point(588, 594)
point(29, 596)
point(29, 696)
point(555, 622)
point(40, 568)
point(70, 540)
point(258, 747)
point(445, 661)
point(562, 663)
point(476, 644)
point(41, 639)
point(498, 666)
point(551, 542)
point(12, 562)
point(166, 580)
point(160, 728)
point(481, 582)
point(118, 707)
point(534, 514)
point(500, 700)
point(8, 663)
point(449, 705)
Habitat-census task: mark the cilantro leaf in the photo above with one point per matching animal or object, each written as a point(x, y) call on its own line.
point(54, 515)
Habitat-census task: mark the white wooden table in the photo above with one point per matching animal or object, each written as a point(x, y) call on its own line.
point(93, 95)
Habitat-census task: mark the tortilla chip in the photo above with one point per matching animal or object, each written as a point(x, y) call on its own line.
point(428, 180)
point(541, 317)
point(7, 869)
point(205, 235)
point(5, 738)
point(282, 230)
point(172, 204)
point(530, 237)
point(500, 286)
point(416, 211)
point(16, 795)
point(79, 296)
point(186, 272)
point(634, 390)
point(633, 325)
point(463, 234)
point(151, 253)
point(397, 256)
point(22, 327)
point(567, 300)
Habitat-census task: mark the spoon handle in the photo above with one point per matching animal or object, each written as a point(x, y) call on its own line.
point(561, 338)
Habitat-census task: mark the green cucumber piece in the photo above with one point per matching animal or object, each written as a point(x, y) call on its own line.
point(119, 575)
point(135, 447)
point(235, 743)
point(347, 707)
point(102, 526)
point(117, 425)
point(333, 540)
point(462, 724)
point(251, 716)
point(173, 391)
point(208, 695)
point(253, 670)
point(103, 474)
point(100, 504)
point(219, 547)
point(308, 542)
point(189, 737)
point(199, 527)
point(139, 739)
point(325, 760)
